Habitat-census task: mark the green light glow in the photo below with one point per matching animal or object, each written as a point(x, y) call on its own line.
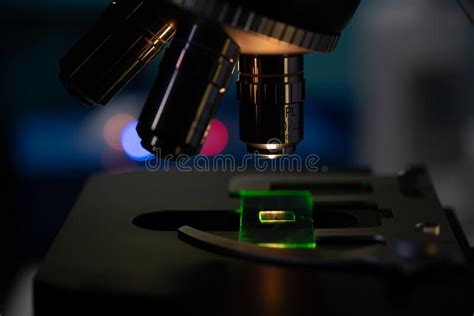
point(310, 245)
point(277, 219)
point(274, 217)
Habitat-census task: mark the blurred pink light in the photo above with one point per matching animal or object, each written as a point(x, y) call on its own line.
point(113, 129)
point(216, 140)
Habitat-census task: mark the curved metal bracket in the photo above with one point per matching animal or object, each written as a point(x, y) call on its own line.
point(253, 252)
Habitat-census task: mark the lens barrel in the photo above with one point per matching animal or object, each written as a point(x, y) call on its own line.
point(194, 75)
point(271, 92)
point(129, 34)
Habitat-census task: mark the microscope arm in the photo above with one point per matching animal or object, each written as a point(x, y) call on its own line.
point(267, 39)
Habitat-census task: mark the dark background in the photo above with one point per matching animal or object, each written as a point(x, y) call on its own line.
point(397, 91)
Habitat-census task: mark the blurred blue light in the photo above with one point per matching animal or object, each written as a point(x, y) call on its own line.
point(131, 143)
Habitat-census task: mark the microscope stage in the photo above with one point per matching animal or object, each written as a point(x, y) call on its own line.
point(384, 245)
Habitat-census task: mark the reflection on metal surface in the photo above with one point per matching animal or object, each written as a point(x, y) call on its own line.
point(194, 74)
point(114, 51)
point(271, 92)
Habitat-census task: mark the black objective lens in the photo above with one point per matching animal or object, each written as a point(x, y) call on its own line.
point(194, 75)
point(128, 36)
point(271, 91)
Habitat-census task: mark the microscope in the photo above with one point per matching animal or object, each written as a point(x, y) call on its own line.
point(342, 243)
